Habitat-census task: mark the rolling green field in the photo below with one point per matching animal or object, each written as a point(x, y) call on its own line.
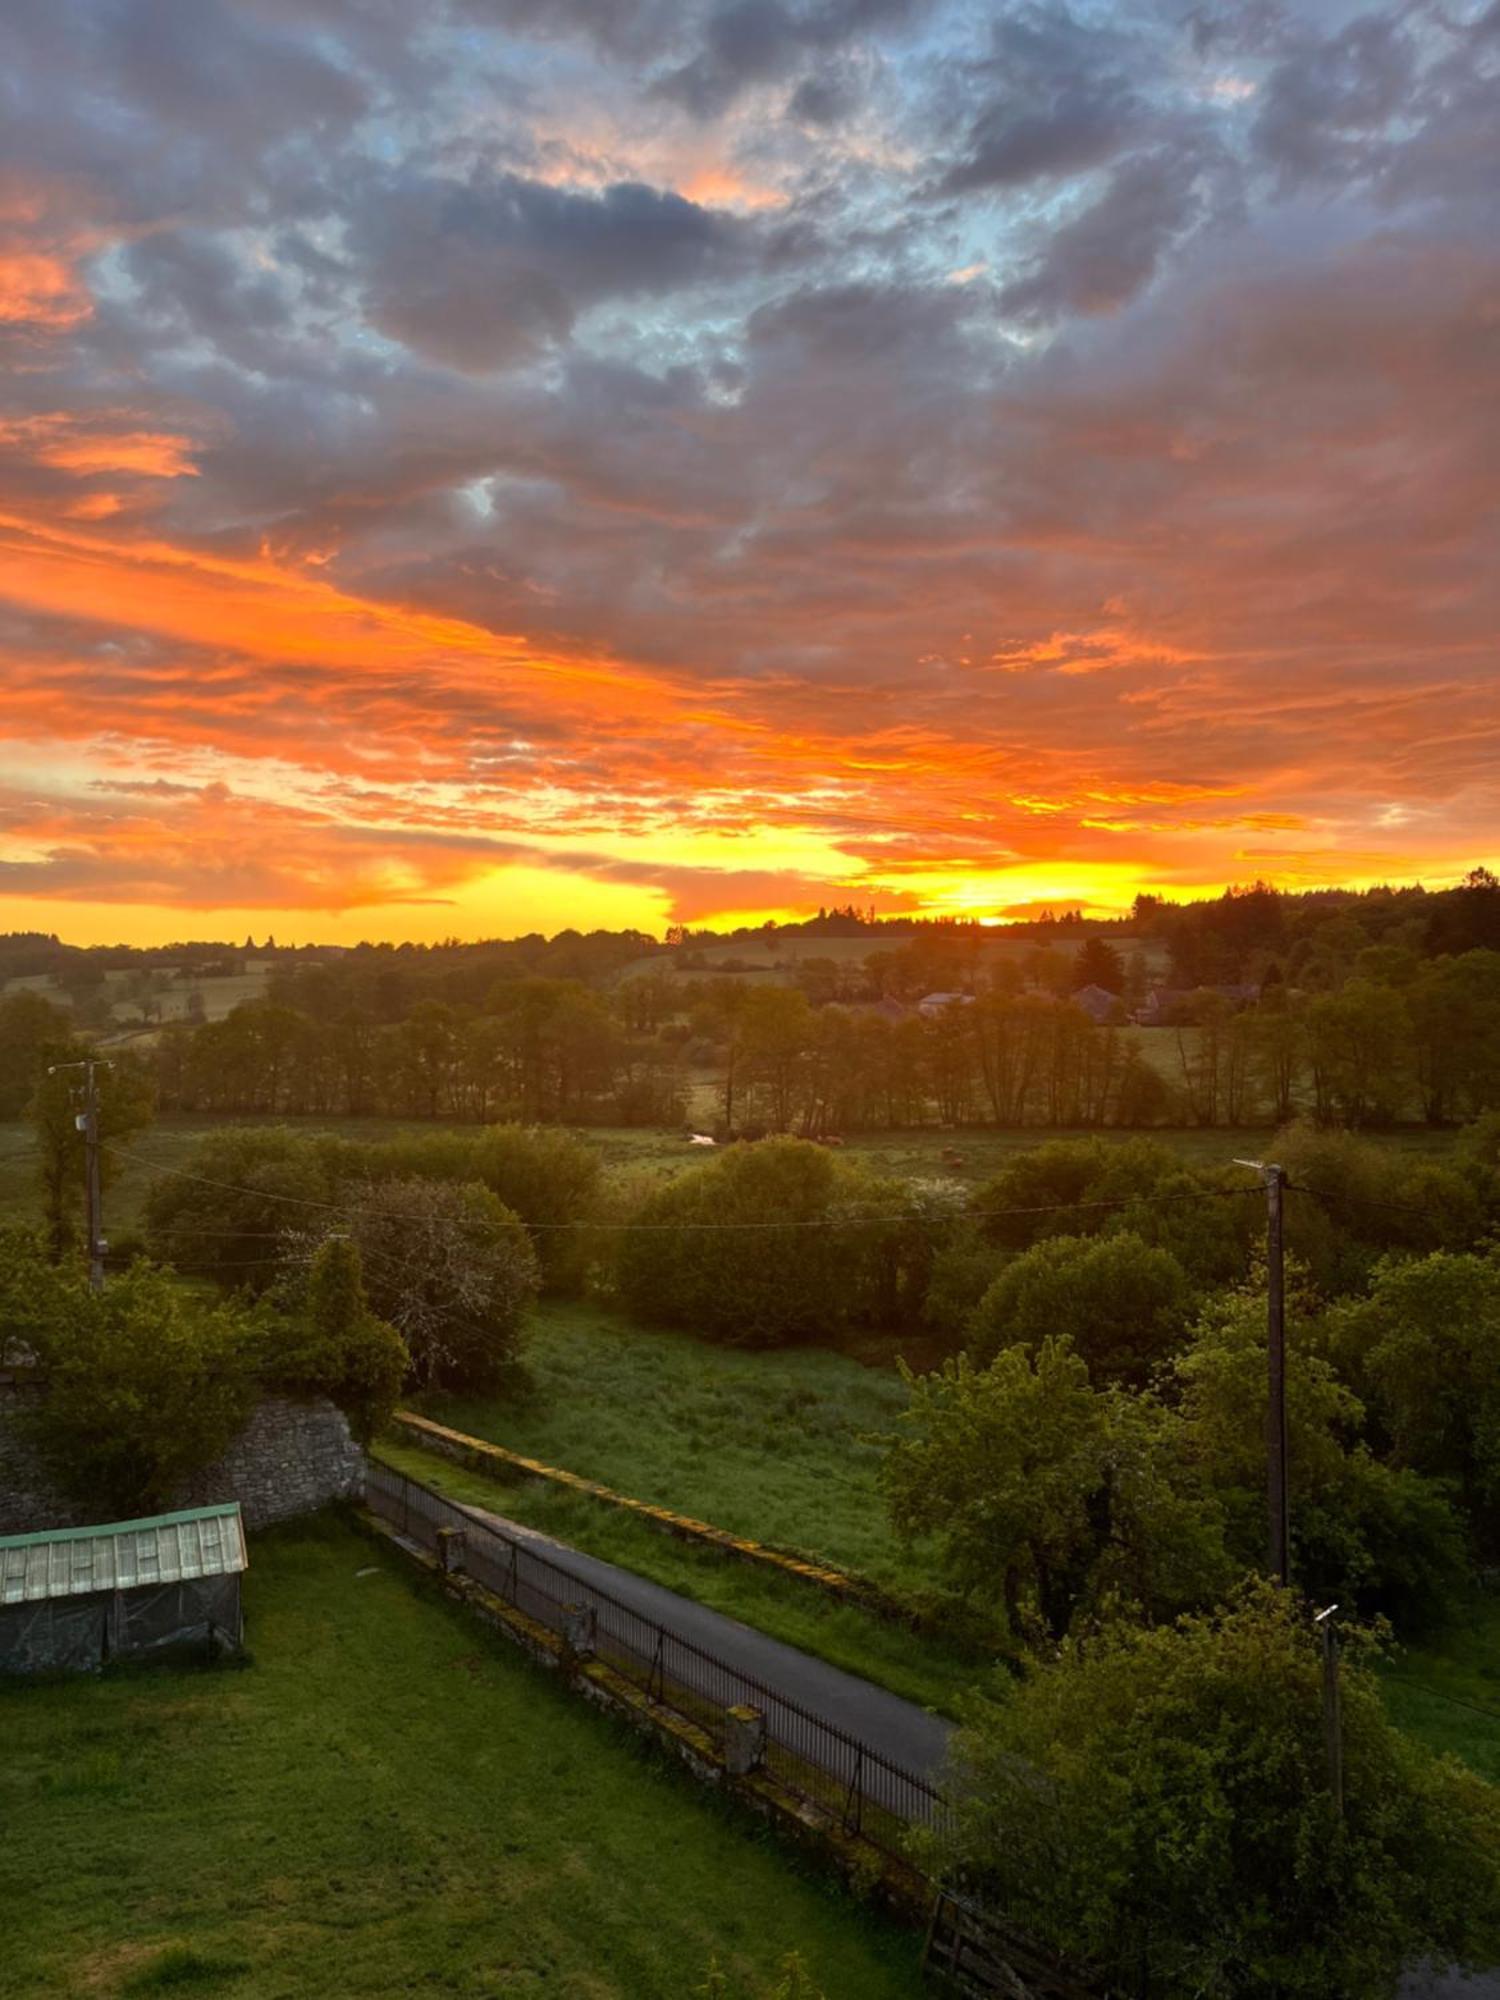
point(775, 955)
point(386, 1801)
point(777, 1446)
point(172, 990)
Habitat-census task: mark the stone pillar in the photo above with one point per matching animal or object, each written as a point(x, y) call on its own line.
point(450, 1550)
point(579, 1631)
point(744, 1741)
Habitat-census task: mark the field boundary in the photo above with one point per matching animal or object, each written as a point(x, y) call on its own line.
point(866, 1850)
point(854, 1809)
point(503, 1464)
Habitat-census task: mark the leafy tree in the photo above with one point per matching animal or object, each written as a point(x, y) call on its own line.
point(773, 1242)
point(1057, 1495)
point(451, 1269)
point(31, 1027)
point(125, 1102)
point(1120, 1302)
point(1142, 1096)
point(241, 1193)
point(1426, 1347)
point(1361, 1531)
point(547, 1177)
point(1454, 1007)
point(144, 1385)
point(1357, 1041)
point(327, 1342)
point(1155, 1804)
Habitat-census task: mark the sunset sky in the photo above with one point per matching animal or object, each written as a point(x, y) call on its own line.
point(480, 467)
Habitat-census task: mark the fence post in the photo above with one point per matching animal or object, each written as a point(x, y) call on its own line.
point(450, 1543)
point(656, 1680)
point(854, 1802)
point(579, 1632)
point(744, 1740)
point(515, 1580)
point(405, 1505)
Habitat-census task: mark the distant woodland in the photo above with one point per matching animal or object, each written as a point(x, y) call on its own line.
point(1361, 1010)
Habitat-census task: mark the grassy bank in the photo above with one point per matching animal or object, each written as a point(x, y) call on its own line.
point(779, 1447)
point(386, 1801)
point(925, 1670)
point(1447, 1692)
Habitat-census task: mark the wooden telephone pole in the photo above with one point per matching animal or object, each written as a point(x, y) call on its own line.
point(1278, 1517)
point(87, 1122)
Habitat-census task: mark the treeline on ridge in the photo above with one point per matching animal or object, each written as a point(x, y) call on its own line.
point(1362, 1011)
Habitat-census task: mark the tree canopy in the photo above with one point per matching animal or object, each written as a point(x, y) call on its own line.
point(1155, 1805)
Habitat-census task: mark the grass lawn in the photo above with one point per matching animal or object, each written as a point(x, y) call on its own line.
point(1448, 1692)
point(386, 1801)
point(924, 1669)
point(778, 1447)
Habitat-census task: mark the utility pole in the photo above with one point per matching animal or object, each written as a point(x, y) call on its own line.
point(87, 1122)
point(1277, 1511)
point(1333, 1722)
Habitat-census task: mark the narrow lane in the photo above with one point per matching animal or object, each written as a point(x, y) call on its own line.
point(910, 1736)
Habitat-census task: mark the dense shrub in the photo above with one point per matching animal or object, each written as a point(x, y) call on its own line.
point(1156, 1805)
point(773, 1242)
point(1122, 1304)
point(144, 1383)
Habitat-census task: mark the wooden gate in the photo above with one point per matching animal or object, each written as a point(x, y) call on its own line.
point(974, 1955)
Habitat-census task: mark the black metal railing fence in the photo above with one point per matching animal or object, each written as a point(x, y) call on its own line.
point(815, 1760)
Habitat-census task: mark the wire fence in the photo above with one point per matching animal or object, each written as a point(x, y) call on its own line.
point(856, 1785)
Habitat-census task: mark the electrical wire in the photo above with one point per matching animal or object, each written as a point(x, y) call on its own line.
point(1454, 1700)
point(813, 1222)
point(1360, 1201)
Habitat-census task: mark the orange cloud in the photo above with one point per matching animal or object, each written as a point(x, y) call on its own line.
point(40, 290)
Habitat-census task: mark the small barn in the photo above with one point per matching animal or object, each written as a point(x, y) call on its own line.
point(73, 1598)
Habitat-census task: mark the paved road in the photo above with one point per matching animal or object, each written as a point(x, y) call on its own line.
point(908, 1735)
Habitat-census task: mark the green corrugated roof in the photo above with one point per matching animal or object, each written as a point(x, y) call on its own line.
point(120, 1527)
point(123, 1555)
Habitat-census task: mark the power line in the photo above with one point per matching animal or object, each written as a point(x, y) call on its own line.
point(1438, 1694)
point(1362, 1201)
point(812, 1222)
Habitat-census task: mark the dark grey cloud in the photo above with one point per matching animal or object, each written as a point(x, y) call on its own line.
point(1326, 107)
point(484, 273)
point(748, 42)
point(1056, 98)
point(1099, 260)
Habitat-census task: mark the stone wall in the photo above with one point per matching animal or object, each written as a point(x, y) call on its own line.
point(290, 1458)
point(28, 1499)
